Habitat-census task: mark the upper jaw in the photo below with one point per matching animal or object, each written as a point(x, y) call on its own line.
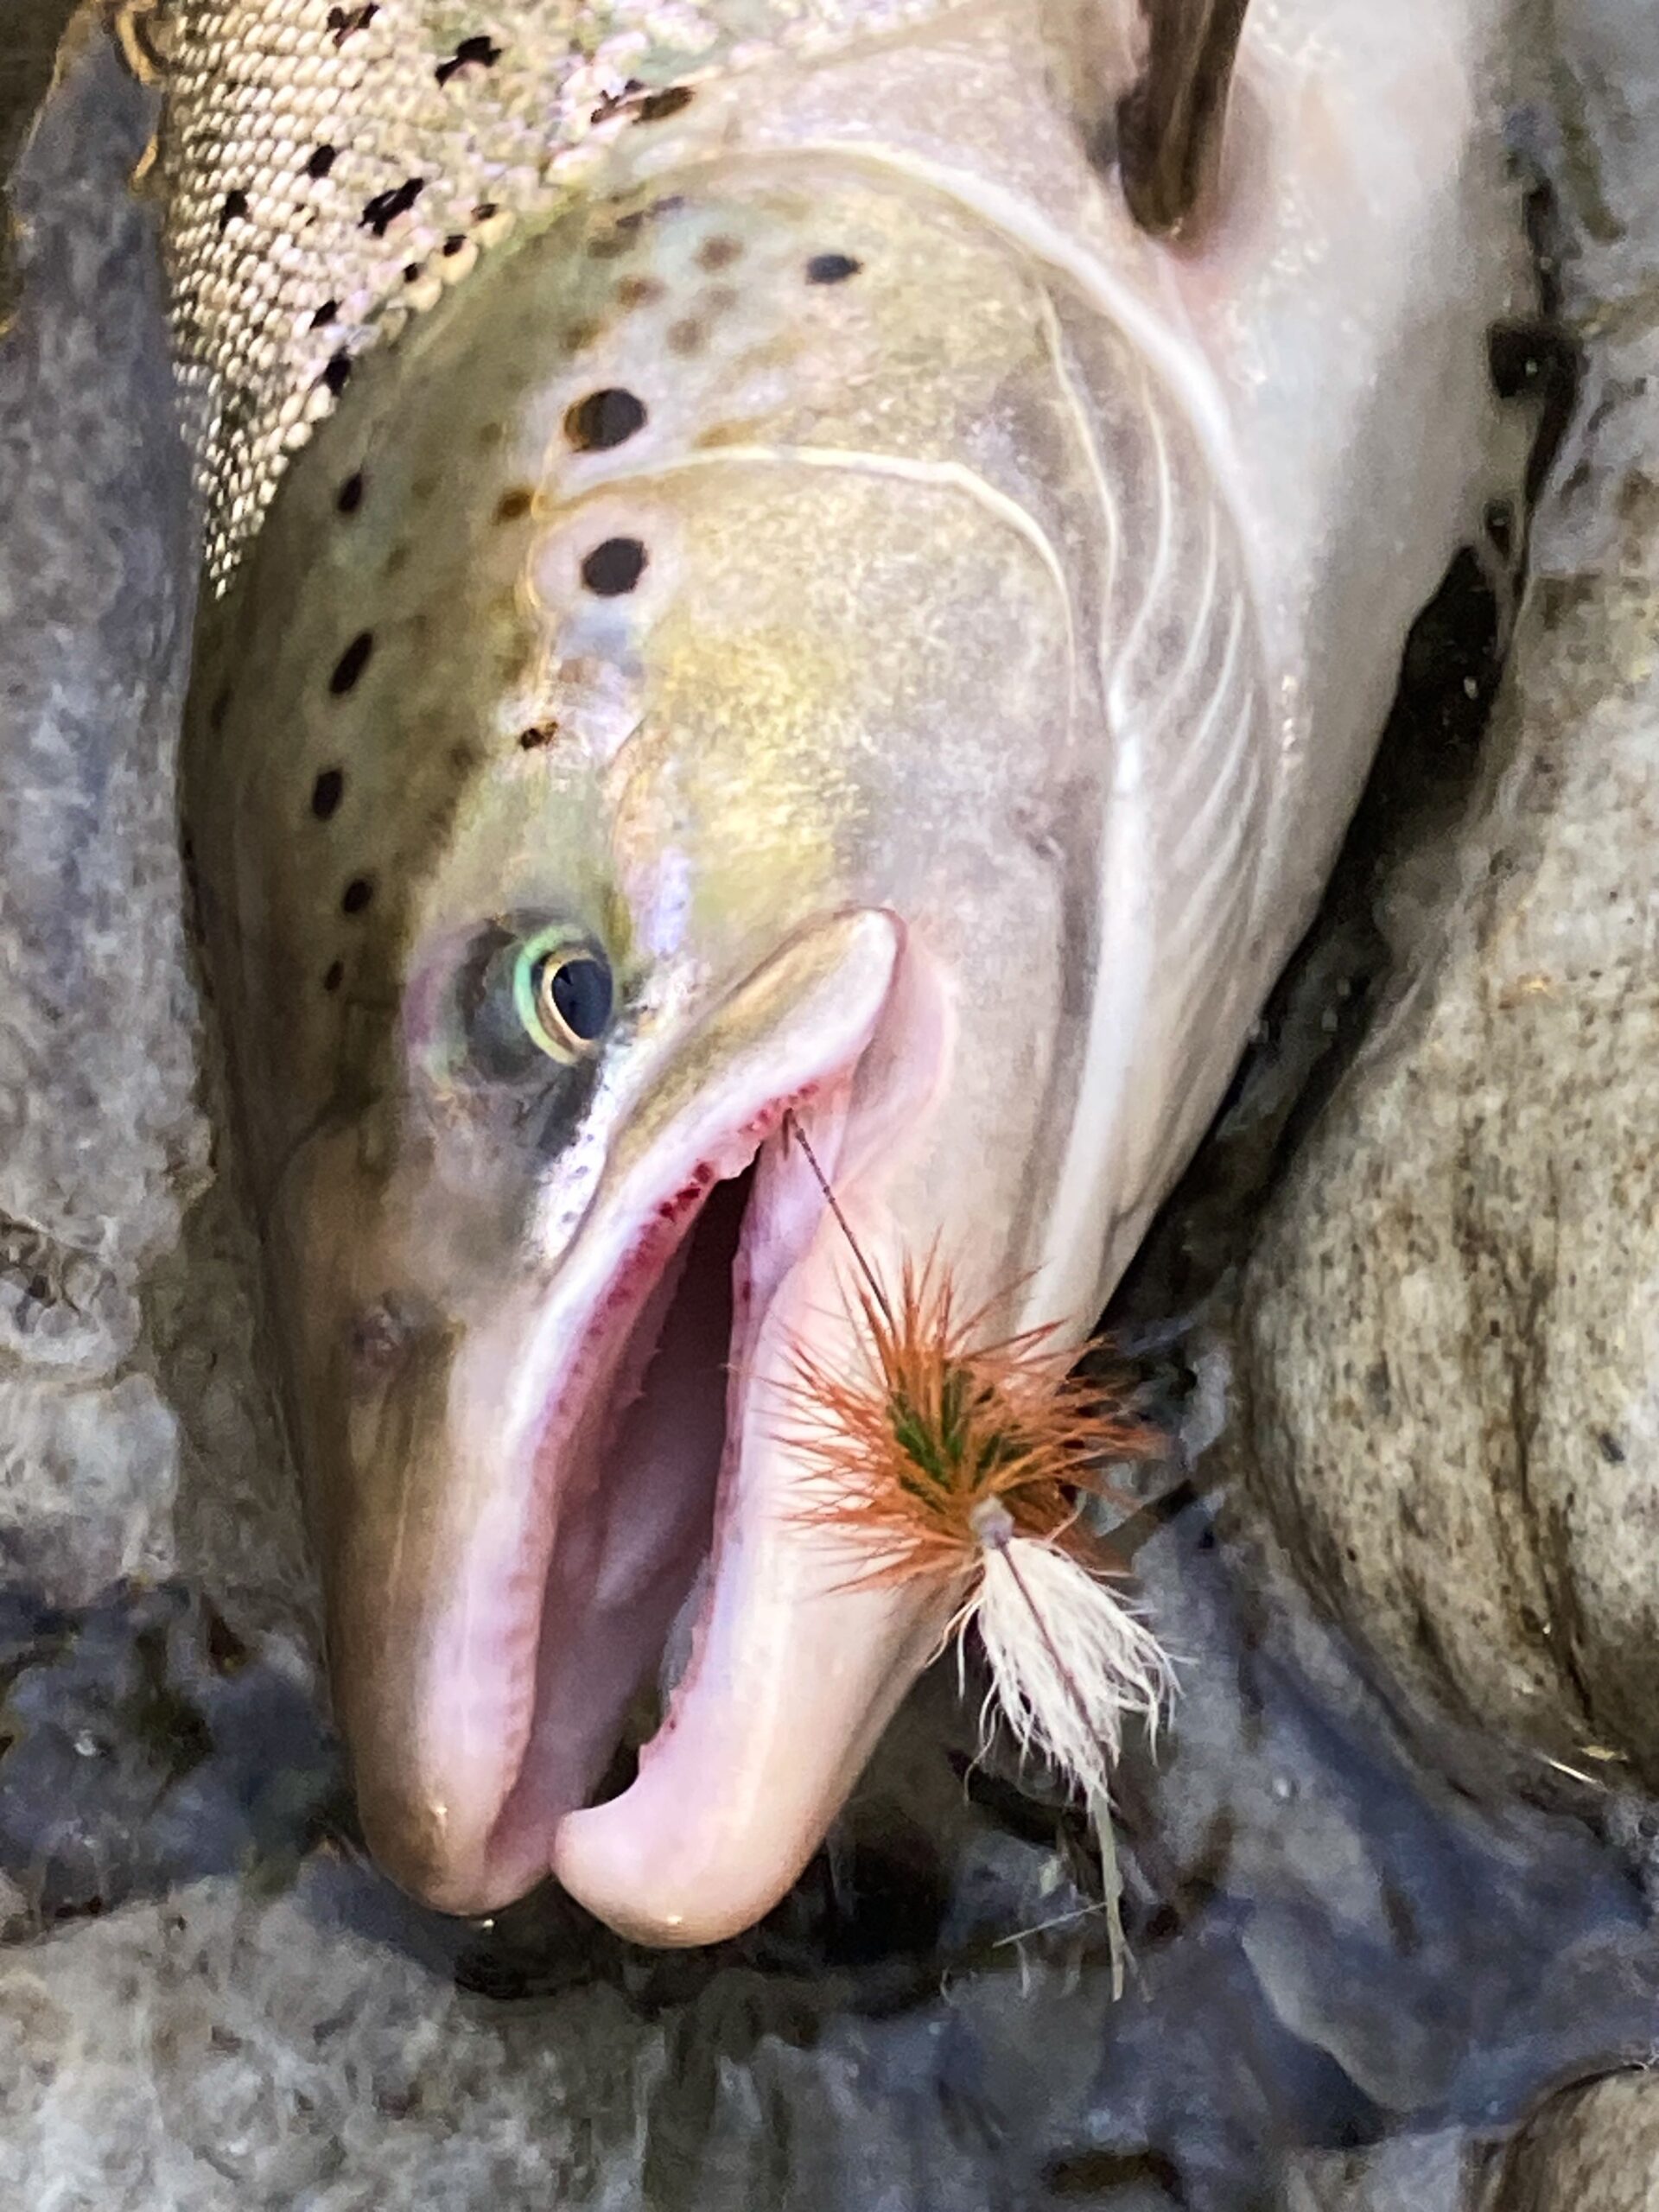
point(504, 1578)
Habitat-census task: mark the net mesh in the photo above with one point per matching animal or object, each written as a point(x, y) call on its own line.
point(329, 167)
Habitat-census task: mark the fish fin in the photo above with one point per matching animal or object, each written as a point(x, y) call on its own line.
point(1169, 123)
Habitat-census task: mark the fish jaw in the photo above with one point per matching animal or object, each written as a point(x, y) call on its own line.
point(520, 1504)
point(796, 1668)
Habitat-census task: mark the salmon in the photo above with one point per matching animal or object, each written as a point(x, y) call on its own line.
point(842, 564)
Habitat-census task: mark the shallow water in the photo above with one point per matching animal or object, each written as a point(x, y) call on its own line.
point(1327, 1951)
point(1342, 1966)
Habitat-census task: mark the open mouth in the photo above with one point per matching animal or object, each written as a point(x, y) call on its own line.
point(637, 1478)
point(633, 1502)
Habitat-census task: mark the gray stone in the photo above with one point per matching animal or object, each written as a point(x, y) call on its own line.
point(33, 29)
point(1412, 2173)
point(88, 1478)
point(134, 1435)
point(99, 1134)
point(219, 2050)
point(1589, 2150)
point(101, 1140)
point(1448, 1349)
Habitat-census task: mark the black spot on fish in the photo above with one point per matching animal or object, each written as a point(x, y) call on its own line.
point(233, 205)
point(512, 504)
point(322, 161)
point(454, 243)
point(480, 50)
point(687, 337)
point(577, 337)
point(539, 734)
point(217, 712)
point(337, 372)
point(604, 419)
point(325, 314)
point(611, 246)
point(718, 253)
point(484, 210)
point(352, 664)
point(382, 212)
point(637, 291)
point(610, 102)
point(1610, 1448)
point(411, 272)
point(656, 107)
point(336, 977)
point(356, 895)
point(349, 497)
point(615, 567)
point(831, 268)
point(343, 21)
point(327, 793)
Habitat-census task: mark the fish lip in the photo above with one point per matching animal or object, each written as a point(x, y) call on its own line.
point(503, 1844)
point(640, 1273)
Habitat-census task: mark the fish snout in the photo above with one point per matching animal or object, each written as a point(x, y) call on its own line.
point(517, 1480)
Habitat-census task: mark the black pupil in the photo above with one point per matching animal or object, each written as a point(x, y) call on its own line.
point(579, 988)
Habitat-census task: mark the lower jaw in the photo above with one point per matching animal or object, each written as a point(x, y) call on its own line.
point(654, 1494)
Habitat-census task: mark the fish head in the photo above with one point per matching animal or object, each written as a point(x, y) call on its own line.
point(568, 834)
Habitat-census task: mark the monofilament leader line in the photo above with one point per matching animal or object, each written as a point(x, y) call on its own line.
point(952, 1454)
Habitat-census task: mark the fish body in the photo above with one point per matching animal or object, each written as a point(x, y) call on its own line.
point(827, 618)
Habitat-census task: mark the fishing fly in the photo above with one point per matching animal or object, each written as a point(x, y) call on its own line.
point(952, 1454)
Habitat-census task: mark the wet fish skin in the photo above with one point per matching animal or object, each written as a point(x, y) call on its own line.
point(937, 706)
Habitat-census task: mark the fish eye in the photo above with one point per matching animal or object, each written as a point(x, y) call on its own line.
point(563, 993)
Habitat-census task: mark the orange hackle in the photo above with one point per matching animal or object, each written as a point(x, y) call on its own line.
point(935, 1420)
point(946, 1451)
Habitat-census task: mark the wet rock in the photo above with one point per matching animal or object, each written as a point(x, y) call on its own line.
point(87, 1477)
point(1589, 2150)
point(1412, 2173)
point(136, 1437)
point(1448, 1353)
point(143, 1745)
point(98, 1121)
point(33, 29)
point(219, 2050)
point(1326, 1955)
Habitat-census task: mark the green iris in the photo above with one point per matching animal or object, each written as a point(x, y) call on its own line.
point(562, 992)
